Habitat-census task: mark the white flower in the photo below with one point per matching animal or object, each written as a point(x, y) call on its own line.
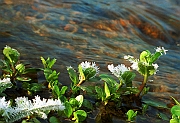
point(128, 57)
point(134, 65)
point(5, 80)
point(23, 103)
point(87, 64)
point(25, 107)
point(161, 50)
point(155, 67)
point(4, 104)
point(118, 70)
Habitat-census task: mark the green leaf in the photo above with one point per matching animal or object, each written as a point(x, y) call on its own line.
point(88, 89)
point(174, 121)
point(154, 103)
point(89, 73)
point(80, 99)
point(87, 104)
point(74, 103)
point(154, 57)
point(32, 70)
point(1, 63)
point(128, 77)
point(51, 75)
point(163, 116)
point(81, 74)
point(20, 68)
point(131, 115)
point(144, 56)
point(53, 119)
point(142, 68)
point(63, 90)
point(3, 86)
point(68, 109)
point(23, 79)
point(35, 87)
point(73, 76)
point(106, 89)
point(100, 93)
point(63, 98)
point(48, 63)
point(150, 70)
point(111, 82)
point(44, 62)
point(177, 103)
point(56, 89)
point(80, 115)
point(176, 110)
point(51, 63)
point(11, 54)
point(144, 108)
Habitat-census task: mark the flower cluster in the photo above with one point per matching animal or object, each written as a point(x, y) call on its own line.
point(134, 62)
point(4, 104)
point(86, 66)
point(161, 50)
point(5, 83)
point(147, 60)
point(118, 70)
point(25, 107)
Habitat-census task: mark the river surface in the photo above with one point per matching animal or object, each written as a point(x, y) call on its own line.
point(102, 31)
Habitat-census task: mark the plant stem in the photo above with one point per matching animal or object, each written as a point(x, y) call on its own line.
point(143, 84)
point(82, 81)
point(120, 84)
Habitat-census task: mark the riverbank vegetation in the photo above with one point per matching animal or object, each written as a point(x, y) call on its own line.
point(109, 95)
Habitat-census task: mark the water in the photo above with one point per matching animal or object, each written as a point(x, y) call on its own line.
point(96, 30)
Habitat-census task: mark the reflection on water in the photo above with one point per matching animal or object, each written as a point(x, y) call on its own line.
point(99, 30)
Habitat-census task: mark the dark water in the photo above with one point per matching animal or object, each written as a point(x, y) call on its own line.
point(103, 31)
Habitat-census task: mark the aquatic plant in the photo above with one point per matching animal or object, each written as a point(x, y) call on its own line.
point(108, 92)
point(17, 71)
point(24, 107)
point(131, 115)
point(73, 110)
point(175, 111)
point(146, 65)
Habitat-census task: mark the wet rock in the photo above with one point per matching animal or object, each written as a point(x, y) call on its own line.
point(70, 28)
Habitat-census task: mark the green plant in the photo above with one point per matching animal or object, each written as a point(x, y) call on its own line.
point(50, 75)
point(145, 65)
point(73, 110)
point(18, 72)
point(86, 71)
point(112, 89)
point(52, 78)
point(175, 111)
point(114, 92)
point(12, 67)
point(131, 115)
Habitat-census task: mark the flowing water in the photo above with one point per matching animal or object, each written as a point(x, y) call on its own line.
point(102, 31)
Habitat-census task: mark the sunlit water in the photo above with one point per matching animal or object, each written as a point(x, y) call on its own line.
point(103, 31)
